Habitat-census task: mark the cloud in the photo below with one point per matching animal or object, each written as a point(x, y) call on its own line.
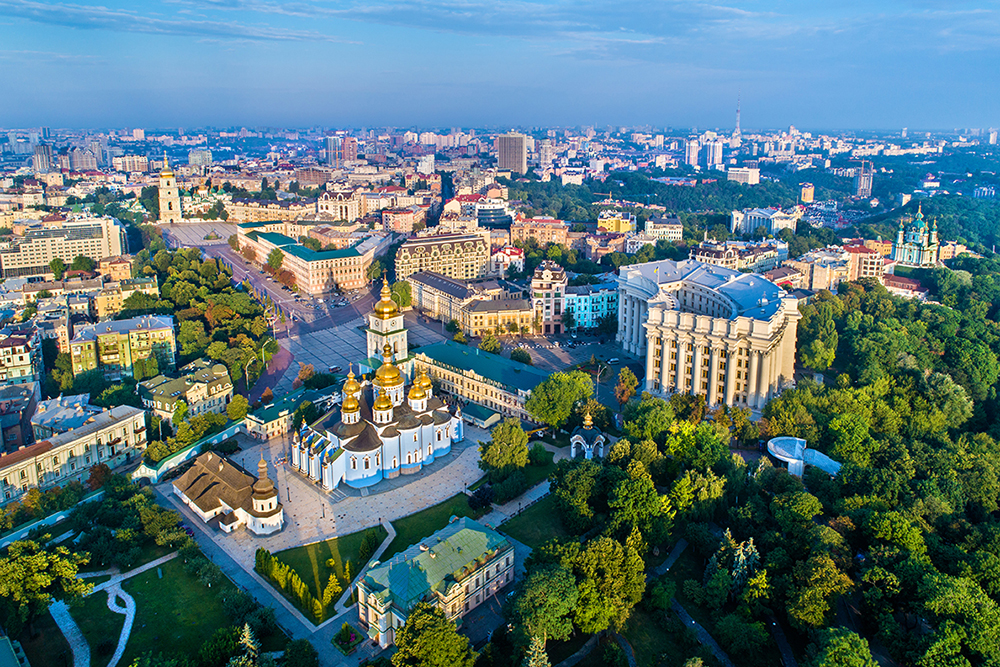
point(25, 55)
point(104, 18)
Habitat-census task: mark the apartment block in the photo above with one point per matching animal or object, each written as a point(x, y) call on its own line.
point(203, 385)
point(32, 247)
point(114, 347)
point(459, 256)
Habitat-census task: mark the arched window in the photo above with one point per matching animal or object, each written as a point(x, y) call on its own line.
point(368, 463)
point(430, 450)
point(409, 458)
point(439, 436)
point(378, 459)
point(354, 463)
point(393, 461)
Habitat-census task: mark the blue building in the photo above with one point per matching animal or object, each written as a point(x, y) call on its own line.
point(589, 303)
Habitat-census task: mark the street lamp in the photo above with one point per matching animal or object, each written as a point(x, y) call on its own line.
point(246, 371)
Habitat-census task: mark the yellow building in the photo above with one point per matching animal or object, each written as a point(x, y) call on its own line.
point(459, 256)
point(616, 222)
point(111, 299)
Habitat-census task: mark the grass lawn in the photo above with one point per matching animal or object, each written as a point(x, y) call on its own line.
point(310, 560)
point(536, 474)
point(536, 525)
point(560, 439)
point(178, 613)
point(48, 648)
point(411, 529)
point(98, 623)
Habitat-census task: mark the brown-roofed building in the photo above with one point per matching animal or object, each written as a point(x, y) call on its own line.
point(215, 486)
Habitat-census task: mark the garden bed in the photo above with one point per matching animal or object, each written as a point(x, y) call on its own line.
point(347, 639)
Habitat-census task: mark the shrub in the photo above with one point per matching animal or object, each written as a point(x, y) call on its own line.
point(538, 455)
point(481, 497)
point(511, 487)
point(369, 545)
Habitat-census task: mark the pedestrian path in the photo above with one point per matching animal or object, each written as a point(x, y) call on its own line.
point(501, 513)
point(71, 631)
point(675, 553)
point(128, 609)
point(704, 637)
point(118, 578)
point(341, 605)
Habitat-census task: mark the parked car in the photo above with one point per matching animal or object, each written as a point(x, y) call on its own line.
point(336, 369)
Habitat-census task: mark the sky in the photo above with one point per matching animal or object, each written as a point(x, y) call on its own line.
point(822, 64)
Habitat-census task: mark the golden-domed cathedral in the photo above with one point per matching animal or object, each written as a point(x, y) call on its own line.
point(384, 430)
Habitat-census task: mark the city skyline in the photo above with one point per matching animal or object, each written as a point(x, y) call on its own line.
point(220, 62)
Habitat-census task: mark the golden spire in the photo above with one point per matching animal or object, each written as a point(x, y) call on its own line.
point(352, 386)
point(386, 307)
point(588, 423)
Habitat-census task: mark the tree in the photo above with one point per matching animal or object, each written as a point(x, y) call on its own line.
point(402, 294)
point(634, 503)
point(452, 326)
point(58, 267)
point(816, 581)
point(32, 577)
point(522, 355)
point(627, 383)
point(180, 413)
point(551, 402)
point(611, 582)
point(607, 325)
point(267, 396)
point(536, 655)
point(839, 647)
point(301, 653)
point(83, 263)
point(237, 408)
point(460, 338)
point(506, 451)
point(490, 343)
point(568, 319)
point(428, 639)
point(544, 607)
point(275, 259)
point(99, 474)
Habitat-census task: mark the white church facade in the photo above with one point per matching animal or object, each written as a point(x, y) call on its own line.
point(384, 429)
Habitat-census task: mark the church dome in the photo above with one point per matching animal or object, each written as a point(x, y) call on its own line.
point(352, 386)
point(167, 171)
point(386, 307)
point(263, 487)
point(387, 374)
point(417, 393)
point(350, 405)
point(423, 381)
point(382, 403)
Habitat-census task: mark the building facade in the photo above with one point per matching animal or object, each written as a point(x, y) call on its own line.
point(459, 256)
point(512, 153)
point(214, 486)
point(112, 437)
point(20, 355)
point(548, 292)
point(114, 347)
point(771, 220)
point(455, 569)
point(543, 230)
point(665, 229)
point(315, 272)
point(740, 255)
point(706, 330)
point(110, 300)
point(264, 210)
point(202, 385)
point(590, 303)
point(32, 248)
point(916, 244)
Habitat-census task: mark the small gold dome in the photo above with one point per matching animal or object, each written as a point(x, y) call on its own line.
point(387, 374)
point(167, 171)
point(386, 307)
point(382, 403)
point(350, 405)
point(352, 386)
point(423, 380)
point(417, 393)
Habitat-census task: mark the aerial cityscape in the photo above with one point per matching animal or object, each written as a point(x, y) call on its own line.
point(415, 336)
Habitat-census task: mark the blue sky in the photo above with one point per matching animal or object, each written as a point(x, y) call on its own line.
point(444, 63)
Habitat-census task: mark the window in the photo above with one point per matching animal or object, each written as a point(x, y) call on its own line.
point(354, 463)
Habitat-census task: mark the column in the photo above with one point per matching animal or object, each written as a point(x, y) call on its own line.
point(638, 327)
point(696, 368)
point(713, 376)
point(767, 374)
point(622, 300)
point(731, 359)
point(752, 395)
point(681, 385)
point(665, 364)
point(649, 364)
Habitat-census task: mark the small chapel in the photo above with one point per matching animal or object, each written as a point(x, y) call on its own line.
point(916, 244)
point(384, 428)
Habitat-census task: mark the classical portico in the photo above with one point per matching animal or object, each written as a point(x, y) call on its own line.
point(709, 331)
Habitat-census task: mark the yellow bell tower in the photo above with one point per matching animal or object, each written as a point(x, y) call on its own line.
point(170, 199)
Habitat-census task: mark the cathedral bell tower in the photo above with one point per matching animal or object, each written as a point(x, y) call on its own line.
point(170, 199)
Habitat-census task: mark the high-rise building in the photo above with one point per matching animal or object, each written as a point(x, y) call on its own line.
point(30, 252)
point(691, 153)
point(863, 180)
point(43, 158)
point(425, 164)
point(993, 137)
point(806, 196)
point(170, 199)
point(546, 154)
point(200, 157)
point(335, 151)
point(714, 155)
point(139, 134)
point(512, 153)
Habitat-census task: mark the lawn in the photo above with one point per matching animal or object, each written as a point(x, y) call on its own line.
point(537, 525)
point(310, 560)
point(178, 613)
point(98, 624)
point(411, 529)
point(532, 473)
point(48, 648)
point(650, 641)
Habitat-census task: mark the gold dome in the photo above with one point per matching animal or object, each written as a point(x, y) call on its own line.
point(350, 405)
point(167, 172)
point(423, 380)
point(382, 402)
point(352, 386)
point(387, 374)
point(417, 393)
point(386, 307)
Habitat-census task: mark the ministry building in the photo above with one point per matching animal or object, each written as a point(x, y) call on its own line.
point(707, 330)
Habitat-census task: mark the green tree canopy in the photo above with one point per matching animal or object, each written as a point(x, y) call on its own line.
point(490, 343)
point(544, 606)
point(428, 639)
point(551, 402)
point(507, 449)
point(31, 578)
point(275, 259)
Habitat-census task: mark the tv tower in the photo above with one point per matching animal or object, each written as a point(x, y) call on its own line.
point(736, 139)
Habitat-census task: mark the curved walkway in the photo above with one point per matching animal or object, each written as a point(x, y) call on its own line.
point(626, 649)
point(71, 631)
point(704, 637)
point(114, 593)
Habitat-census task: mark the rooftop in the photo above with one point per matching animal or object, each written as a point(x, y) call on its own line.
point(511, 374)
point(144, 322)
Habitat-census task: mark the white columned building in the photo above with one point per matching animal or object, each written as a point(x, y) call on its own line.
point(708, 330)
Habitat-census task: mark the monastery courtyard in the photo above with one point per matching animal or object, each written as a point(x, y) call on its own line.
point(313, 514)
